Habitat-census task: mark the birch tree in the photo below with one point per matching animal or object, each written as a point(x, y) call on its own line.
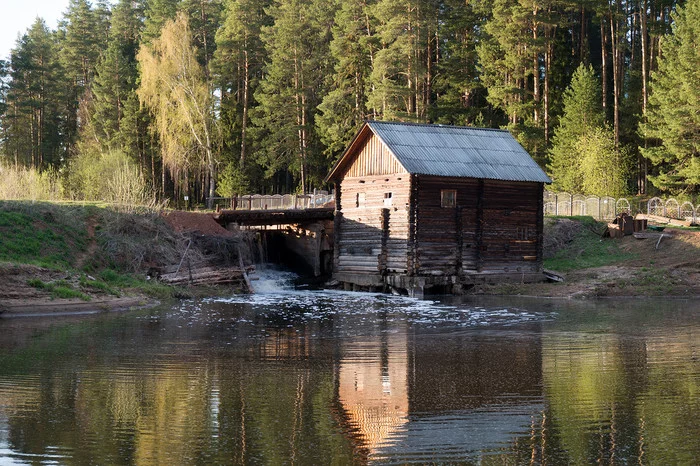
point(174, 89)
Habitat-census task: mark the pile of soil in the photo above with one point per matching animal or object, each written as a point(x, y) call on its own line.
point(200, 222)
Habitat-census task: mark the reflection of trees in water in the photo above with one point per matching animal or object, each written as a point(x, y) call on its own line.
point(614, 396)
point(123, 392)
point(129, 402)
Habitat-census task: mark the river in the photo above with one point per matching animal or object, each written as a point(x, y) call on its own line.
point(296, 376)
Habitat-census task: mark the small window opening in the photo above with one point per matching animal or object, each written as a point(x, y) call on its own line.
point(359, 200)
point(523, 233)
point(388, 199)
point(448, 198)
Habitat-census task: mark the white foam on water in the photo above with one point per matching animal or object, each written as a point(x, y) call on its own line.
point(275, 295)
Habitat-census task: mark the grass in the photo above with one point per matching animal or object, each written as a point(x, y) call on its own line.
point(54, 236)
point(587, 249)
point(39, 234)
point(59, 289)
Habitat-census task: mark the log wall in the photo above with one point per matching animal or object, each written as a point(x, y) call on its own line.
point(494, 228)
point(372, 237)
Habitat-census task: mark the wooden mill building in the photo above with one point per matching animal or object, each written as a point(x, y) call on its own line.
point(436, 208)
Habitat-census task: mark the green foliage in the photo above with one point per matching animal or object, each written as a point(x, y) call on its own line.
point(233, 181)
point(32, 124)
point(583, 113)
point(673, 117)
point(59, 289)
point(109, 176)
point(275, 89)
point(344, 109)
point(604, 170)
point(292, 88)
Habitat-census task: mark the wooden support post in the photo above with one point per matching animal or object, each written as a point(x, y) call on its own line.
point(459, 239)
point(385, 215)
point(480, 226)
point(540, 227)
point(412, 251)
point(337, 225)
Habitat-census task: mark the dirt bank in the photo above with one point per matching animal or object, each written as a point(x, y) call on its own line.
point(73, 258)
point(632, 267)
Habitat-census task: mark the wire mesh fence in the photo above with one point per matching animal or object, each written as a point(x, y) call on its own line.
point(607, 208)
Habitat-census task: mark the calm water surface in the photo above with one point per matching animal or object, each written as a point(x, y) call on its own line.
point(316, 377)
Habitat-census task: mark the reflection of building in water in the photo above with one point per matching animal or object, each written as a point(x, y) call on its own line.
point(465, 394)
point(373, 387)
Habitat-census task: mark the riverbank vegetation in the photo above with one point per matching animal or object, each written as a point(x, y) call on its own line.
point(88, 251)
point(94, 252)
point(146, 102)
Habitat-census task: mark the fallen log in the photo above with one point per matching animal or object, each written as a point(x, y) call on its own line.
point(208, 276)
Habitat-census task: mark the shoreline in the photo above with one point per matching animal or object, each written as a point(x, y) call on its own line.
point(58, 307)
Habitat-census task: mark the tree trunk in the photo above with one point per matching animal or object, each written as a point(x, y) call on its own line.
point(244, 122)
point(604, 65)
point(614, 36)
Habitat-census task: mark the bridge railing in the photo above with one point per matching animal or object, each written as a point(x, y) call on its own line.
point(275, 201)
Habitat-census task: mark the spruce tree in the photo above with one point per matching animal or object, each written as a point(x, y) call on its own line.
point(673, 117)
point(116, 75)
point(583, 112)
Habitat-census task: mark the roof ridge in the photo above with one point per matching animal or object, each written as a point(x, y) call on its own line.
point(435, 125)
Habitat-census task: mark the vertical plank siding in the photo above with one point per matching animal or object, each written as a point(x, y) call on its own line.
point(373, 158)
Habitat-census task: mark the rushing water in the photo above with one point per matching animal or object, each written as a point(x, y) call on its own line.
point(293, 376)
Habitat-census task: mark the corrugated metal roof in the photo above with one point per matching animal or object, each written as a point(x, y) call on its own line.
point(458, 151)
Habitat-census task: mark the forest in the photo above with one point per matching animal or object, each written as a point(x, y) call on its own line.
point(143, 100)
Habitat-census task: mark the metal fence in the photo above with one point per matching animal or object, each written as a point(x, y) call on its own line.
point(607, 208)
point(275, 201)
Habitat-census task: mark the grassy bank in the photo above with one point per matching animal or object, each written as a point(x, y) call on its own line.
point(593, 266)
point(576, 243)
point(83, 251)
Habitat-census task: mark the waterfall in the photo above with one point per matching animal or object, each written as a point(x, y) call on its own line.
point(270, 280)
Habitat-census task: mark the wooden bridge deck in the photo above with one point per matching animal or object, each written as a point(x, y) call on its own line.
point(273, 217)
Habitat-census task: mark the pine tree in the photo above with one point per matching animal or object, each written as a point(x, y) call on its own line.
point(294, 84)
point(401, 77)
point(344, 108)
point(32, 121)
point(673, 116)
point(157, 13)
point(83, 41)
point(204, 18)
point(238, 66)
point(583, 112)
point(461, 98)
